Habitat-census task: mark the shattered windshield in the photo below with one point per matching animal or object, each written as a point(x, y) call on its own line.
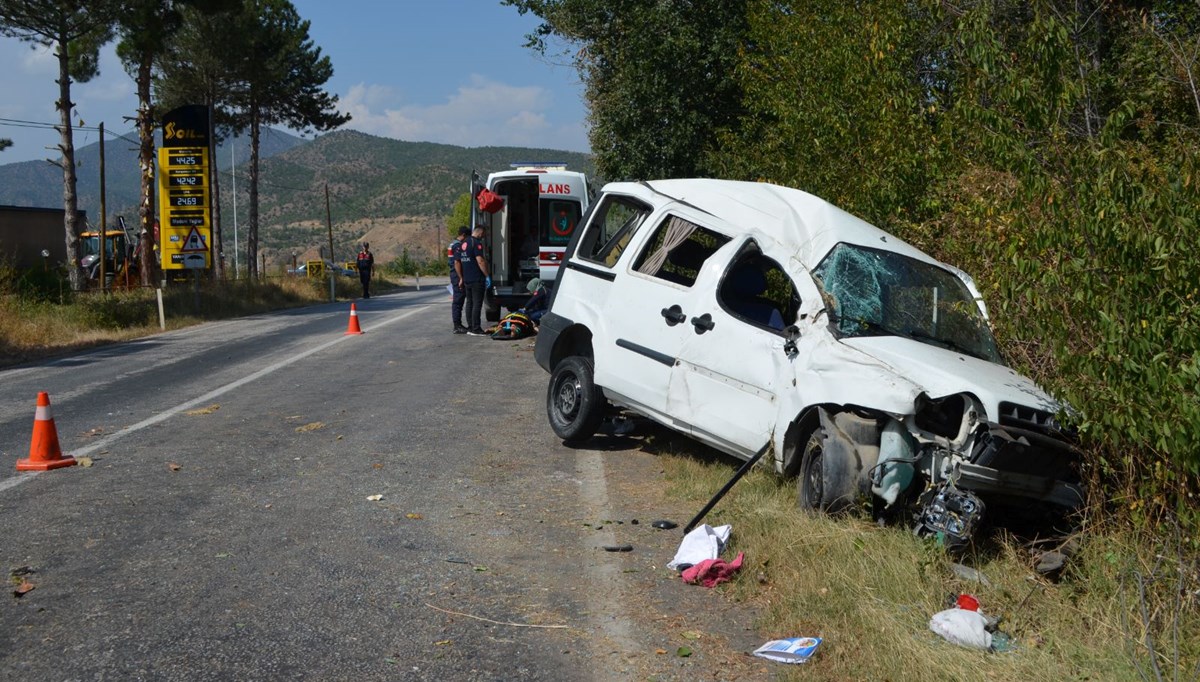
point(881, 293)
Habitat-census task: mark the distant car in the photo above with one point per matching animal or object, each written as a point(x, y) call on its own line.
point(302, 270)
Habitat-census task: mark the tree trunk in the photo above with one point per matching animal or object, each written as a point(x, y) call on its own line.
point(252, 238)
point(67, 147)
point(214, 184)
point(145, 123)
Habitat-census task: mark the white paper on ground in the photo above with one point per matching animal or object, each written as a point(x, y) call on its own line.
point(704, 542)
point(792, 650)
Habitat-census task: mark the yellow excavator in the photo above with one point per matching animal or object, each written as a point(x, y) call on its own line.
point(120, 266)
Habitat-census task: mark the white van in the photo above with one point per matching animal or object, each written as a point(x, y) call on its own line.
point(760, 319)
point(541, 204)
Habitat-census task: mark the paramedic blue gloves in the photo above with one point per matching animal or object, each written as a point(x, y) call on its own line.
point(487, 282)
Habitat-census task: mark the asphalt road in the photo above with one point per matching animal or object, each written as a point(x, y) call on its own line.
point(224, 528)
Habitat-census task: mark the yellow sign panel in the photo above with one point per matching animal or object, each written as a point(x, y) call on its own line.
point(314, 268)
point(184, 208)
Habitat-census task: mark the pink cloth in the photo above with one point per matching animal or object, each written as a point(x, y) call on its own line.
point(711, 572)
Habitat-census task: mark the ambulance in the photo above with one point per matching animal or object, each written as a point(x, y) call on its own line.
point(528, 213)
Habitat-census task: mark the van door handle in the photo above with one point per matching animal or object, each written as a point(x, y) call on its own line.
point(674, 315)
point(704, 323)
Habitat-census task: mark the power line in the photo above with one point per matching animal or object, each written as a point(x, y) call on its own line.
point(18, 123)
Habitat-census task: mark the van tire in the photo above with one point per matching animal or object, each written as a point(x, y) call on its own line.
point(574, 404)
point(824, 484)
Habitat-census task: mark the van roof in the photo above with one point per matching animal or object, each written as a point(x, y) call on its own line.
point(789, 216)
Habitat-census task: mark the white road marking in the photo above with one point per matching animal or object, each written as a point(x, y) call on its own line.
point(102, 443)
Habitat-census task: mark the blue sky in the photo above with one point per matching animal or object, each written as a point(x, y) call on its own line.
point(450, 71)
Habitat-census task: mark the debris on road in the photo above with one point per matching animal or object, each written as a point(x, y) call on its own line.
point(663, 524)
point(497, 622)
point(704, 542)
point(712, 572)
point(792, 650)
point(618, 548)
point(374, 498)
point(203, 410)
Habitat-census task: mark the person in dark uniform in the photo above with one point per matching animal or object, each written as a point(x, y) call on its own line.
point(366, 263)
point(473, 278)
point(456, 291)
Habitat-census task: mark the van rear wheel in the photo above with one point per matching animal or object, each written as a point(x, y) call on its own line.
point(574, 404)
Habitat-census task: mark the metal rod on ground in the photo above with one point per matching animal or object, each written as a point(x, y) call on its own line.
point(721, 493)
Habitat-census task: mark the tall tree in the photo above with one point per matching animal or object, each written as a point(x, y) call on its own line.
point(75, 29)
point(144, 28)
point(279, 76)
point(194, 68)
point(659, 77)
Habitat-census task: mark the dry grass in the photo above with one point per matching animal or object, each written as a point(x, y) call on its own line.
point(33, 327)
point(870, 591)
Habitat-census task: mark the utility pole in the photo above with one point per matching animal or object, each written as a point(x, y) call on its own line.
point(329, 224)
point(103, 213)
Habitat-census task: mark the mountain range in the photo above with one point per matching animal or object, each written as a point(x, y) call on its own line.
point(392, 193)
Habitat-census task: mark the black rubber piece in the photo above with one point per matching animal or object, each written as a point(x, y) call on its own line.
point(618, 548)
point(662, 524)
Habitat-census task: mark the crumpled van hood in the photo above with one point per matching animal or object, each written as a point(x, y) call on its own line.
point(943, 372)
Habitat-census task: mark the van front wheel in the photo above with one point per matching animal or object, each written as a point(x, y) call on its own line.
point(574, 403)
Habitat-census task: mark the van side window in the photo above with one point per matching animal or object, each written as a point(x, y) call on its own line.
point(756, 290)
point(678, 251)
point(615, 222)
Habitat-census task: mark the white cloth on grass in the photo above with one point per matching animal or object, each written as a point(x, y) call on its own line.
point(704, 542)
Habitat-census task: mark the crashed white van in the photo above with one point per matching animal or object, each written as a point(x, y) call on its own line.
point(754, 317)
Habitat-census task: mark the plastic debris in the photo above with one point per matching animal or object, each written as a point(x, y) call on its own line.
point(793, 650)
point(962, 627)
point(663, 524)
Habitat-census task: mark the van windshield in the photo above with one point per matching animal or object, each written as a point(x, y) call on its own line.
point(871, 292)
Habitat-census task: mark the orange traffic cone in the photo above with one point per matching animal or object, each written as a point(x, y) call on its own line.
point(44, 452)
point(353, 328)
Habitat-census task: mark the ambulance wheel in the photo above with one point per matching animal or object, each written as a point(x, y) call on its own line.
point(574, 404)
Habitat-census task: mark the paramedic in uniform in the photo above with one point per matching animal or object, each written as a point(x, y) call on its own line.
point(473, 278)
point(456, 301)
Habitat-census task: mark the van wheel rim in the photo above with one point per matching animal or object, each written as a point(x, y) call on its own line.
point(567, 398)
point(814, 482)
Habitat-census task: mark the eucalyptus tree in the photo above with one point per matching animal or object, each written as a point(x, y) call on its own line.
point(278, 76)
point(75, 29)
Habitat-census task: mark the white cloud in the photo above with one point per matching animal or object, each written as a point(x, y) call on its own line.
point(479, 113)
point(38, 60)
